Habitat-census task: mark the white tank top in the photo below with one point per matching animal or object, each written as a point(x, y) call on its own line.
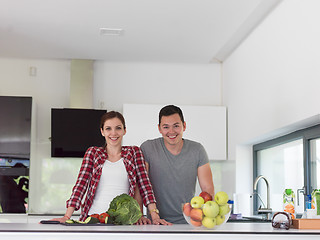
point(113, 182)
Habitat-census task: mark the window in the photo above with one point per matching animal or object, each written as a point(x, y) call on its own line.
point(283, 168)
point(291, 161)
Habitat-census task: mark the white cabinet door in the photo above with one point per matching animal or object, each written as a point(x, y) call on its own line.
point(205, 124)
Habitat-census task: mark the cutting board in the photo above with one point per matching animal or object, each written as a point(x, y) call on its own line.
point(306, 223)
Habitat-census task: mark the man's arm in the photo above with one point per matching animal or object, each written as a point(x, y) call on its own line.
point(205, 179)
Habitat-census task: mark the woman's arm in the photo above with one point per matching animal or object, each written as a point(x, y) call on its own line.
point(137, 196)
point(84, 176)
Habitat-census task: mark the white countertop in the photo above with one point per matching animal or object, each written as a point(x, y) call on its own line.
point(178, 231)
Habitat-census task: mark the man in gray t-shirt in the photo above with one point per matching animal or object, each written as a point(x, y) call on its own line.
point(174, 164)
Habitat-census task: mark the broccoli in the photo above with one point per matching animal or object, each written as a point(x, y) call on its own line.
point(124, 210)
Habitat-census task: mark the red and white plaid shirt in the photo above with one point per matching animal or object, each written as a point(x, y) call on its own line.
point(91, 170)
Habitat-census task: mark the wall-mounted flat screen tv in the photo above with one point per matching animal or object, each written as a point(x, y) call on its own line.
point(74, 130)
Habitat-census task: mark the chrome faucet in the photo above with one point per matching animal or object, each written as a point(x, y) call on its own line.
point(266, 210)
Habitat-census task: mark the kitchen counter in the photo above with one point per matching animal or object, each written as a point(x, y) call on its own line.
point(228, 231)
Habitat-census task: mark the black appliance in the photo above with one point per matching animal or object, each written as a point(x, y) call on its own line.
point(74, 130)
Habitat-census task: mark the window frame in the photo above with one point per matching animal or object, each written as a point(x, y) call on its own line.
point(306, 134)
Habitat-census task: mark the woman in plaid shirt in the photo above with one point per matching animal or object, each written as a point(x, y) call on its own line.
point(110, 171)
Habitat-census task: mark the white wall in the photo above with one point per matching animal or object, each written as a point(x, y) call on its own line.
point(272, 79)
point(156, 83)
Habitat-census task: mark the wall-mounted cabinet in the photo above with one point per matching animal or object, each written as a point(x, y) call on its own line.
point(205, 124)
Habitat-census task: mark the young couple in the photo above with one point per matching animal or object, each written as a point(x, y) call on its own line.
point(172, 162)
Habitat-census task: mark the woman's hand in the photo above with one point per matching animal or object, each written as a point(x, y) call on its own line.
point(143, 221)
point(61, 220)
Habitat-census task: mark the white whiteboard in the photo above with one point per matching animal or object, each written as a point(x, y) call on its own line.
point(205, 124)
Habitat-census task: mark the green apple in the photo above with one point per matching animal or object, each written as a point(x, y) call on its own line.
point(220, 219)
point(209, 222)
point(210, 209)
point(221, 198)
point(197, 202)
point(224, 209)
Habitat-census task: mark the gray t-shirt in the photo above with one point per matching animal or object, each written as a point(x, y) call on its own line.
point(173, 177)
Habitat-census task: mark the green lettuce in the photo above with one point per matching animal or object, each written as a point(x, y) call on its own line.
point(124, 210)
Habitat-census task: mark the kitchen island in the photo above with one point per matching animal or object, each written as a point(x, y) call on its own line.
point(228, 231)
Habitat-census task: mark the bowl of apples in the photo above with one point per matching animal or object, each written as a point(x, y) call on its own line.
point(204, 211)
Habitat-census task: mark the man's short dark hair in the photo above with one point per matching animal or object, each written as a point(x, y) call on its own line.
point(170, 110)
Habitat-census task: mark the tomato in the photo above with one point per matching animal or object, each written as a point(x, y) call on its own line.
point(96, 215)
point(103, 217)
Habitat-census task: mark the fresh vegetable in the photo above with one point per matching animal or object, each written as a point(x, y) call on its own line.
point(70, 221)
point(91, 220)
point(73, 221)
point(124, 210)
point(103, 217)
point(96, 215)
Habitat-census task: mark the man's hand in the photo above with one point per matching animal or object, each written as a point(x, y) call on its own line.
point(143, 221)
point(159, 221)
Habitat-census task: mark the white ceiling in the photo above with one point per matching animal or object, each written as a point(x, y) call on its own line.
point(181, 31)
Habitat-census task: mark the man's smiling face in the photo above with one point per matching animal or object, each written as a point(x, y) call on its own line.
point(172, 128)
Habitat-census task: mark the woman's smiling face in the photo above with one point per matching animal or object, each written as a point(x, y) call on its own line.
point(113, 131)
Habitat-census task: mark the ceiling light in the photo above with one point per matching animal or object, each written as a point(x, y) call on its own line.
point(111, 31)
